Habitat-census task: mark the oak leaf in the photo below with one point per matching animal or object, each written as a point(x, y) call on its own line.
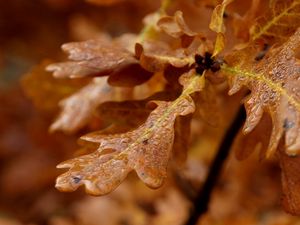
point(79, 108)
point(175, 26)
point(133, 112)
point(100, 57)
point(279, 23)
point(155, 56)
point(123, 116)
point(274, 85)
point(272, 75)
point(146, 149)
point(217, 25)
point(241, 24)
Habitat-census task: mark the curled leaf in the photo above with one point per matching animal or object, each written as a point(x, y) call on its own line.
point(217, 25)
point(175, 26)
point(155, 56)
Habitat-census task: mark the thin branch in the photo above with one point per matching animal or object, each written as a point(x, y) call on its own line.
point(202, 200)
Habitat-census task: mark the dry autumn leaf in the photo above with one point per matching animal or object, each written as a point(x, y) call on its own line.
point(146, 150)
point(281, 21)
point(175, 26)
point(274, 82)
point(78, 109)
point(100, 57)
point(217, 25)
point(156, 56)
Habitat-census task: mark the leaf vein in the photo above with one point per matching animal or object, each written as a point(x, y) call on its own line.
point(263, 79)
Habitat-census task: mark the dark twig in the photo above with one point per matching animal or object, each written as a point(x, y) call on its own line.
point(201, 201)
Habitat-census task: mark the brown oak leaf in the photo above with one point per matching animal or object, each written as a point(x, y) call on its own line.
point(133, 112)
point(176, 27)
point(156, 55)
point(79, 108)
point(280, 22)
point(274, 82)
point(217, 25)
point(100, 57)
point(146, 149)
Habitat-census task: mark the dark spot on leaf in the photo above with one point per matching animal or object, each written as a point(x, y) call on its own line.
point(76, 179)
point(288, 124)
